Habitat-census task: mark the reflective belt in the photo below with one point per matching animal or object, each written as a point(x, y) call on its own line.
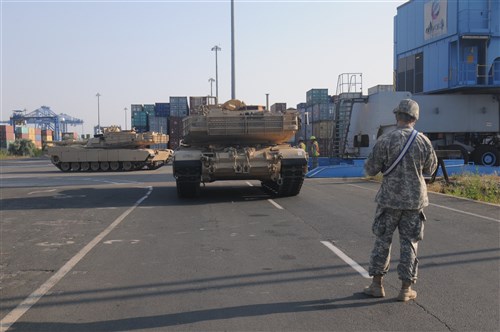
point(403, 152)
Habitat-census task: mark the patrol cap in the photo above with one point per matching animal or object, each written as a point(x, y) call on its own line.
point(409, 107)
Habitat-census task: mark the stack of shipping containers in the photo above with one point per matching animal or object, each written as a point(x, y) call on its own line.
point(320, 109)
point(47, 136)
point(7, 136)
point(139, 118)
point(178, 111)
point(278, 107)
point(158, 121)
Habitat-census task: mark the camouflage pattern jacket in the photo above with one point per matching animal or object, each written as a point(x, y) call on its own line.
point(404, 188)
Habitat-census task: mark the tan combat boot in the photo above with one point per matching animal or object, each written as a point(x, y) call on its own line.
point(375, 289)
point(406, 292)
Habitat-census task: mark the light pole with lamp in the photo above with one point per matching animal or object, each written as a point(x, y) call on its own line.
point(211, 80)
point(98, 114)
point(216, 49)
point(125, 109)
point(233, 78)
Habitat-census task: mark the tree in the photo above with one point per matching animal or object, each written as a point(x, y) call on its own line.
point(22, 147)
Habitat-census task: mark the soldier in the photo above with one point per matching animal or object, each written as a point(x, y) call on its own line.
point(314, 151)
point(403, 156)
point(302, 145)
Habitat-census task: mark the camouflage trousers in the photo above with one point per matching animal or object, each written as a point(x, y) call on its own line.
point(410, 224)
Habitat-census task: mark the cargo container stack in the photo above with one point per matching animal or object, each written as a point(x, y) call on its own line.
point(278, 107)
point(158, 120)
point(139, 118)
point(305, 127)
point(47, 137)
point(320, 109)
point(38, 138)
point(22, 132)
point(178, 111)
point(7, 136)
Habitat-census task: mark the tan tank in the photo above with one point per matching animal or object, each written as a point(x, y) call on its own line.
point(233, 141)
point(114, 150)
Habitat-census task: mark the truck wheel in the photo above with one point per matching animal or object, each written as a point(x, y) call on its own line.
point(486, 155)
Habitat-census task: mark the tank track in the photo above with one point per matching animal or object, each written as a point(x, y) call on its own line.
point(105, 166)
point(188, 179)
point(292, 177)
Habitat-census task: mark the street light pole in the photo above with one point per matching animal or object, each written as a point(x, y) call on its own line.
point(233, 88)
point(98, 113)
point(267, 102)
point(125, 109)
point(211, 80)
point(216, 49)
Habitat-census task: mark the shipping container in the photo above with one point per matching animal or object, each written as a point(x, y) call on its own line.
point(323, 129)
point(136, 108)
point(158, 124)
point(149, 108)
point(162, 109)
point(6, 129)
point(317, 96)
point(22, 130)
point(278, 107)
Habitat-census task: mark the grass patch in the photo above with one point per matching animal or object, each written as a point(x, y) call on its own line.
point(484, 188)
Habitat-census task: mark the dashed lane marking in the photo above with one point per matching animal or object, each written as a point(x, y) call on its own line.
point(347, 259)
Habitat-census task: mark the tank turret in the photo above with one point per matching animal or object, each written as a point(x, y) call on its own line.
point(235, 141)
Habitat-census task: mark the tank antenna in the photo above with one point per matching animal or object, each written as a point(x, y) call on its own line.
point(233, 89)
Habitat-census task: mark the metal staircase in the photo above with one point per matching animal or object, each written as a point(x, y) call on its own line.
point(349, 91)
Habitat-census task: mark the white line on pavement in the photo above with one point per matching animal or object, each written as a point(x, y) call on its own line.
point(275, 204)
point(442, 206)
point(347, 259)
point(33, 298)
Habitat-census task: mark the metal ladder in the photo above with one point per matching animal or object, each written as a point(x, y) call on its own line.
point(349, 91)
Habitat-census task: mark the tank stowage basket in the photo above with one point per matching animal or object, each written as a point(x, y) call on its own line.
point(276, 128)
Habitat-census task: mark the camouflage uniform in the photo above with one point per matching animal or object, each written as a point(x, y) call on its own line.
point(401, 199)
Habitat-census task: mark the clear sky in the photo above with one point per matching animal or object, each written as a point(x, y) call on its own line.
point(61, 53)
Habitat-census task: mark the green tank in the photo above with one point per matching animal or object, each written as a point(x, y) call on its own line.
point(233, 141)
point(114, 150)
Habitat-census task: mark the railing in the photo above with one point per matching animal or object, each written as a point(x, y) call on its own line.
point(468, 74)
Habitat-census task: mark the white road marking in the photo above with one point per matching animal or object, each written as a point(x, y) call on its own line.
point(465, 212)
point(34, 297)
point(41, 191)
point(269, 200)
point(443, 207)
point(275, 204)
point(347, 259)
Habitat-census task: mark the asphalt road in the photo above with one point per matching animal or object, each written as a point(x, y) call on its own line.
point(120, 252)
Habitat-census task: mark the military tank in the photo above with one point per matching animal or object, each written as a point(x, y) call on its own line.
point(234, 141)
point(113, 150)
